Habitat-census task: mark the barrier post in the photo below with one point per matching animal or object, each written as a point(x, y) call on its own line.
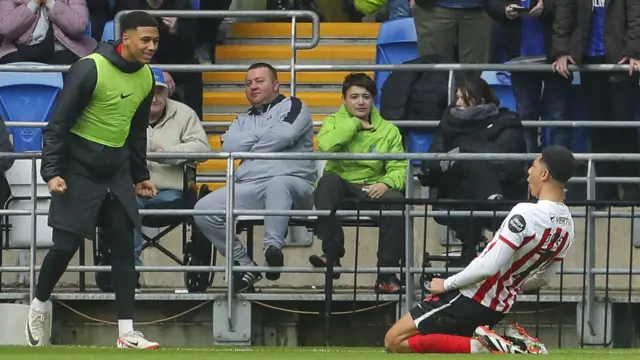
point(34, 222)
point(590, 262)
point(293, 55)
point(408, 239)
point(229, 238)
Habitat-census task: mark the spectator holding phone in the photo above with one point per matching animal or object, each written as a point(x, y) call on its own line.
point(529, 25)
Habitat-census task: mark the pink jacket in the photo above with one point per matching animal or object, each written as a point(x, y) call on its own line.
point(69, 19)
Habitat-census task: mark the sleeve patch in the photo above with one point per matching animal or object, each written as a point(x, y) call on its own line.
point(517, 224)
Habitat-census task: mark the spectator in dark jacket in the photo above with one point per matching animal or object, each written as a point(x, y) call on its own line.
point(208, 30)
point(443, 25)
point(178, 46)
point(528, 40)
point(603, 32)
point(476, 124)
point(5, 163)
point(100, 12)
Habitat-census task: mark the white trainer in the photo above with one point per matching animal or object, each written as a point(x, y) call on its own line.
point(36, 330)
point(496, 343)
point(135, 340)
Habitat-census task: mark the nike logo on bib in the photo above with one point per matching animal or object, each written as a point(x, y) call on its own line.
point(123, 96)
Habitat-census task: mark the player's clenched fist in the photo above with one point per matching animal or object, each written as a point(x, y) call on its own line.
point(146, 189)
point(57, 184)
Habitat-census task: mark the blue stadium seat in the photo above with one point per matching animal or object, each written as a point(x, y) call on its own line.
point(500, 82)
point(397, 43)
point(28, 96)
point(109, 32)
point(195, 4)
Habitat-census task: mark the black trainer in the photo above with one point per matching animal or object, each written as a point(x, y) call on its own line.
point(388, 284)
point(273, 257)
point(243, 281)
point(321, 262)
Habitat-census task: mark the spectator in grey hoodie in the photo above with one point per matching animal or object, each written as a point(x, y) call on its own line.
point(274, 123)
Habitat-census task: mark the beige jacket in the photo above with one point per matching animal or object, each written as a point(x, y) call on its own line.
point(178, 131)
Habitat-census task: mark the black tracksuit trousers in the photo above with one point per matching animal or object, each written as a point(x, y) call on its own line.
point(117, 230)
point(330, 191)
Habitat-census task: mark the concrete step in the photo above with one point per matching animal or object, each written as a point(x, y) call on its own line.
point(243, 108)
point(238, 99)
point(304, 30)
point(226, 87)
point(230, 117)
point(351, 41)
point(284, 77)
point(283, 52)
point(287, 61)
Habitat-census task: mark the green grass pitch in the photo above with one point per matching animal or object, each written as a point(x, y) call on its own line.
point(275, 353)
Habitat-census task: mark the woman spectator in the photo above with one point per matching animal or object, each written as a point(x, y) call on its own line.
point(47, 31)
point(476, 124)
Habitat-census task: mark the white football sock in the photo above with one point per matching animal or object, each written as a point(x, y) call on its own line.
point(38, 305)
point(478, 348)
point(125, 326)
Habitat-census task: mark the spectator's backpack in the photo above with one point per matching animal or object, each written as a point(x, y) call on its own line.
point(415, 95)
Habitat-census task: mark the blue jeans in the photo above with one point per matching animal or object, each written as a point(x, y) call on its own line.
point(162, 197)
point(399, 9)
point(533, 103)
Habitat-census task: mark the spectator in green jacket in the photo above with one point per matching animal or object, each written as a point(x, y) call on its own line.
point(358, 128)
point(397, 8)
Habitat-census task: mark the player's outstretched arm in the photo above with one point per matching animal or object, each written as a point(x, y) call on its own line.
point(78, 89)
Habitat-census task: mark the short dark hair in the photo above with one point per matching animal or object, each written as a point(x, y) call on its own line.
point(476, 91)
point(560, 162)
point(263, 65)
point(360, 80)
point(136, 19)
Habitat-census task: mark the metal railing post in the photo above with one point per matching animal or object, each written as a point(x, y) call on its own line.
point(34, 224)
point(293, 56)
point(230, 222)
point(408, 239)
point(334, 68)
point(451, 87)
point(591, 250)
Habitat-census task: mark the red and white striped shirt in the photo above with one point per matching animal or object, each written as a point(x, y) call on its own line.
point(524, 254)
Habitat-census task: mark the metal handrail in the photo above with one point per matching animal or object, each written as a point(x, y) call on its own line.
point(231, 213)
point(344, 68)
point(410, 123)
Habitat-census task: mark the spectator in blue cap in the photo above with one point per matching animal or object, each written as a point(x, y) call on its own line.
point(173, 127)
